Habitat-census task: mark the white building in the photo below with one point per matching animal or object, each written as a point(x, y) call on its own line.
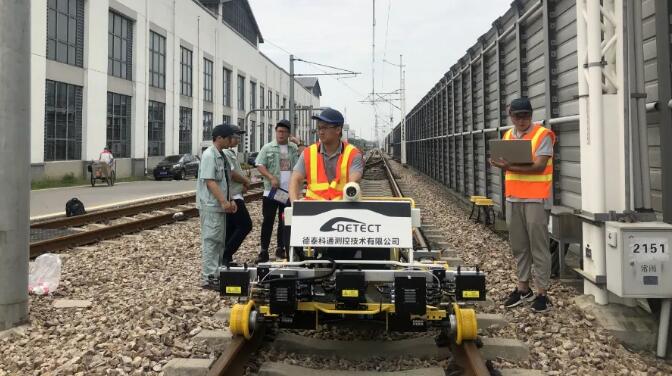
point(149, 78)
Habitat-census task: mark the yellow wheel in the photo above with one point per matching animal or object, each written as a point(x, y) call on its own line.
point(239, 319)
point(465, 320)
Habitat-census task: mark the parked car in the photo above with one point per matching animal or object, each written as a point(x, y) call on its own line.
point(177, 167)
point(252, 158)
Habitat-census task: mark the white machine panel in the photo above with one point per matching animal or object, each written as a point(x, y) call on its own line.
point(638, 259)
point(368, 224)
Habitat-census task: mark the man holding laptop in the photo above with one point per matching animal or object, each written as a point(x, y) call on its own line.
point(526, 157)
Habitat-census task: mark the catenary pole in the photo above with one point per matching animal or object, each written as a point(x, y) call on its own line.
point(14, 147)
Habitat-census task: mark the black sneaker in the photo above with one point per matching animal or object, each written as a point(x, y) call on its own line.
point(518, 297)
point(280, 253)
point(541, 304)
point(263, 257)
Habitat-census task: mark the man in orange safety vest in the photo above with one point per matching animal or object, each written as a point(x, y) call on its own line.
point(327, 165)
point(528, 189)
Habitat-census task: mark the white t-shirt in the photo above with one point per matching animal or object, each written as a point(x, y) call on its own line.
point(106, 157)
point(285, 167)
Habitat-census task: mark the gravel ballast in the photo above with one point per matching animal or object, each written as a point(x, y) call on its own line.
point(563, 341)
point(146, 307)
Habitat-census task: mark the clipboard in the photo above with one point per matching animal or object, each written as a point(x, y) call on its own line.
point(514, 151)
point(280, 195)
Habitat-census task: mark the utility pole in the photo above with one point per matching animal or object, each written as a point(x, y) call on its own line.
point(292, 112)
point(373, 74)
point(15, 152)
point(402, 84)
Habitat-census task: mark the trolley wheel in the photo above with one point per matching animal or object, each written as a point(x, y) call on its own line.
point(242, 319)
point(465, 320)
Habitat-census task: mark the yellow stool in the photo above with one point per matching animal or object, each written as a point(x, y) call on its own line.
point(473, 200)
point(486, 205)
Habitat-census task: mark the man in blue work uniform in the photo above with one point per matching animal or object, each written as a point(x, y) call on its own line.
point(213, 200)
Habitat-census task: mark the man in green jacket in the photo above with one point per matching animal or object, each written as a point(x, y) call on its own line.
point(275, 162)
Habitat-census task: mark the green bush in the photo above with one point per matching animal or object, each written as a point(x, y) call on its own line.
point(68, 178)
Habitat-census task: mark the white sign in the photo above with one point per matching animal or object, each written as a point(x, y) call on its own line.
point(645, 250)
point(359, 227)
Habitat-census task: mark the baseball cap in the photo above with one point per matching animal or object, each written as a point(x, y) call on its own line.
point(520, 105)
point(330, 116)
point(223, 130)
point(284, 123)
point(237, 130)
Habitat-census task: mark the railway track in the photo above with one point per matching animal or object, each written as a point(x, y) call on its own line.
point(378, 181)
point(112, 223)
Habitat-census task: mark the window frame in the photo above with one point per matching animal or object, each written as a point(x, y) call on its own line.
point(121, 120)
point(208, 118)
point(113, 38)
point(153, 108)
point(241, 92)
point(157, 50)
point(185, 131)
point(226, 97)
point(66, 128)
point(186, 72)
point(74, 20)
point(208, 79)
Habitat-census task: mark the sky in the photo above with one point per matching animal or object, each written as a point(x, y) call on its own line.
point(431, 34)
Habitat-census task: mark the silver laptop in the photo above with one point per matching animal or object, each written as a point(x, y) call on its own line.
point(514, 151)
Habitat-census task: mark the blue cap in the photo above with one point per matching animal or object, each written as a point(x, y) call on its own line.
point(223, 130)
point(330, 116)
point(520, 105)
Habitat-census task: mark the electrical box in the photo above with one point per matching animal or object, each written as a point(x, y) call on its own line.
point(638, 259)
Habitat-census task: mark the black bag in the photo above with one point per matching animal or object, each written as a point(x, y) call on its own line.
point(74, 207)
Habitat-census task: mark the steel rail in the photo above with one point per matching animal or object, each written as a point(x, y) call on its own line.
point(118, 212)
point(113, 231)
point(396, 190)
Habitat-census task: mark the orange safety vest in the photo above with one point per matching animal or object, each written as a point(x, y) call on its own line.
point(318, 186)
point(531, 184)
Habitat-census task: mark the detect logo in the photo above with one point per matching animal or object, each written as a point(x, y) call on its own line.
point(343, 224)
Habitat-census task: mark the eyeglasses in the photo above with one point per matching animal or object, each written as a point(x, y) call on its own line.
point(325, 127)
point(522, 116)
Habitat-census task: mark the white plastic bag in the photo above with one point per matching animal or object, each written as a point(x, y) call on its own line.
point(45, 274)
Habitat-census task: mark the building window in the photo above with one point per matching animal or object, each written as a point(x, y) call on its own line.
point(62, 122)
point(241, 125)
point(207, 80)
point(252, 132)
point(186, 68)
point(185, 130)
point(119, 124)
point(277, 103)
point(207, 126)
point(270, 104)
point(253, 95)
point(157, 60)
point(120, 47)
point(262, 134)
point(156, 129)
point(65, 31)
point(226, 119)
point(284, 105)
point(241, 93)
point(261, 99)
point(226, 98)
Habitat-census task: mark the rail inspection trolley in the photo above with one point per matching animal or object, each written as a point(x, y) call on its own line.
point(354, 260)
